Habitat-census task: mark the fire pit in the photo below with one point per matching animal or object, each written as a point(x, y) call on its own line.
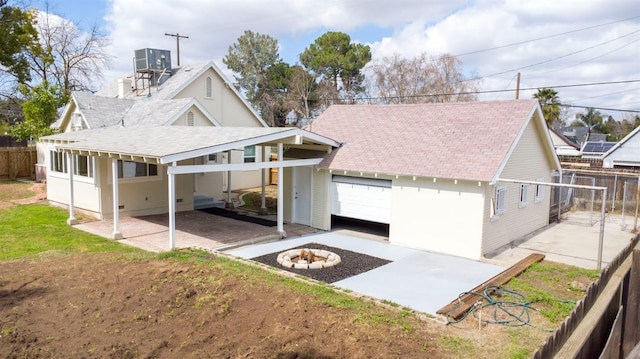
point(305, 258)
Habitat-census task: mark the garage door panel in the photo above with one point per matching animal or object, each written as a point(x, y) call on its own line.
point(362, 201)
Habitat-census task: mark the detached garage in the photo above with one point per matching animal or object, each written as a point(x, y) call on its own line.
point(432, 172)
point(367, 199)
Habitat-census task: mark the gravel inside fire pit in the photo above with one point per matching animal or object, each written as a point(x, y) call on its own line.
point(353, 263)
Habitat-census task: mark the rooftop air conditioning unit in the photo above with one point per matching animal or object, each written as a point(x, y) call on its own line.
point(151, 60)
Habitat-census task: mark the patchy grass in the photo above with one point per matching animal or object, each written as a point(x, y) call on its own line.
point(549, 286)
point(15, 190)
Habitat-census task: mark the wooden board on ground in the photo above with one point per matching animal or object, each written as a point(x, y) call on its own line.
point(461, 305)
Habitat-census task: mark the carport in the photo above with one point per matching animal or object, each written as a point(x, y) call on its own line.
point(169, 145)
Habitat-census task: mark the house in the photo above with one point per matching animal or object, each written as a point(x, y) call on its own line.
point(563, 146)
point(464, 179)
point(197, 96)
point(624, 154)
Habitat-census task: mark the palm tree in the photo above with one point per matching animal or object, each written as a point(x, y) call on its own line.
point(550, 103)
point(592, 119)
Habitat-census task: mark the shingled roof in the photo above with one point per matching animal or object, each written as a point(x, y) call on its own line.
point(461, 140)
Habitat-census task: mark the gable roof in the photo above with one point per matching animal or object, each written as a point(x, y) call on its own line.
point(460, 140)
point(100, 111)
point(622, 142)
point(180, 78)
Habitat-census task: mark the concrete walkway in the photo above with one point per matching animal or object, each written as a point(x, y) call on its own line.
point(573, 241)
point(416, 279)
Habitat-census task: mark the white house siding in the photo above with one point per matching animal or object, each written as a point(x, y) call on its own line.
point(321, 200)
point(287, 177)
point(628, 154)
point(441, 216)
point(224, 104)
point(86, 191)
point(142, 196)
point(528, 162)
point(199, 118)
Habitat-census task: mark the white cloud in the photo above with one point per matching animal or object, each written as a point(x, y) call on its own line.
point(410, 27)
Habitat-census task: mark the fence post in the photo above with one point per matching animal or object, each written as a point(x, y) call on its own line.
point(635, 218)
point(631, 333)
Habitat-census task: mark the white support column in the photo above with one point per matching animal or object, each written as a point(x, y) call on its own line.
point(116, 204)
point(172, 208)
point(280, 192)
point(71, 168)
point(229, 204)
point(263, 203)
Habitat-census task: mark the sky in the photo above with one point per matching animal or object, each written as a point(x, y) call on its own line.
point(589, 48)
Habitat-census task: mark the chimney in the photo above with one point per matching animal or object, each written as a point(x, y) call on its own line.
point(124, 87)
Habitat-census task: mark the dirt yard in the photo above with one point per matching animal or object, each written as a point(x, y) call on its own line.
point(115, 305)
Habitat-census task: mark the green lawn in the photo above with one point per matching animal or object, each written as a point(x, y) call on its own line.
point(29, 230)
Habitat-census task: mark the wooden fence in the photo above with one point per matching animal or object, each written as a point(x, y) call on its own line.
point(605, 323)
point(18, 162)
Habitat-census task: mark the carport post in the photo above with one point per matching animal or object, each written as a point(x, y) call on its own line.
point(280, 191)
point(116, 204)
point(172, 208)
point(72, 218)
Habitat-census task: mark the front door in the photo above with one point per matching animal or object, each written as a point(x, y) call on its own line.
point(302, 195)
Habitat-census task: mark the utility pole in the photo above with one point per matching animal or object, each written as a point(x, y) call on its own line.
point(518, 87)
point(178, 37)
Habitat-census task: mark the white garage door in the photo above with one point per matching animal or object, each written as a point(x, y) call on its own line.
point(361, 198)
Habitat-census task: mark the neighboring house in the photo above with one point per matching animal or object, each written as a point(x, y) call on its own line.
point(596, 149)
point(190, 96)
point(432, 172)
point(563, 146)
point(624, 154)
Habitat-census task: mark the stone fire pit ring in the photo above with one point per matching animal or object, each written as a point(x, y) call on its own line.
point(321, 258)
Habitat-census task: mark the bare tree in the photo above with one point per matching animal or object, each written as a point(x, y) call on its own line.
point(68, 57)
point(302, 95)
point(421, 79)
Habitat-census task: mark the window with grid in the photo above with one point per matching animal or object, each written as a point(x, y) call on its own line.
point(500, 204)
point(83, 166)
point(58, 162)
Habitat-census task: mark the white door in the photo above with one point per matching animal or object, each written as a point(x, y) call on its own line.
point(302, 195)
point(368, 199)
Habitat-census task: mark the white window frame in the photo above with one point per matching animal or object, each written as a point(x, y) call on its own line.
point(524, 195)
point(539, 194)
point(208, 87)
point(251, 157)
point(57, 158)
point(157, 177)
point(499, 202)
point(90, 166)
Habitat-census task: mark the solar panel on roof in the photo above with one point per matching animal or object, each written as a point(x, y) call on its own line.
point(597, 147)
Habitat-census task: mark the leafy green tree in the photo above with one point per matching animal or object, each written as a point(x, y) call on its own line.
point(550, 103)
point(273, 93)
point(338, 64)
point(591, 119)
point(250, 58)
point(17, 35)
point(40, 111)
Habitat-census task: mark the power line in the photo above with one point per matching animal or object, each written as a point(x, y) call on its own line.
point(545, 37)
point(599, 108)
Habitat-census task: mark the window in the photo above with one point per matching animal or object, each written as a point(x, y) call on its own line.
point(58, 162)
point(539, 190)
point(500, 202)
point(524, 195)
point(130, 169)
point(190, 118)
point(249, 154)
point(83, 166)
point(208, 88)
